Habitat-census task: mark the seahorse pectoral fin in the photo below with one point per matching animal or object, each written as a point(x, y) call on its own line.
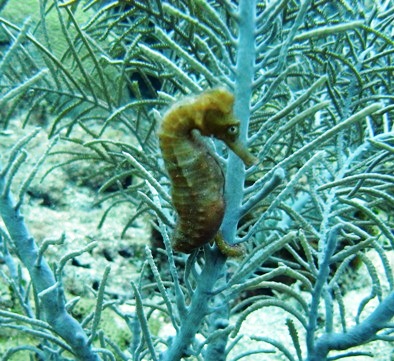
point(242, 152)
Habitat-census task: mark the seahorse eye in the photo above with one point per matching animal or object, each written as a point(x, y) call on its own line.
point(232, 130)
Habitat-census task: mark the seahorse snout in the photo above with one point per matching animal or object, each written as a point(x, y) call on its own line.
point(242, 152)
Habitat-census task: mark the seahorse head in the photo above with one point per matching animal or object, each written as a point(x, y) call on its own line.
point(219, 121)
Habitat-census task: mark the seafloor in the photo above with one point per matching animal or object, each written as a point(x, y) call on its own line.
point(64, 203)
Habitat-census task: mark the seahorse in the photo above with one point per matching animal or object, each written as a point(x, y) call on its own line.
point(197, 178)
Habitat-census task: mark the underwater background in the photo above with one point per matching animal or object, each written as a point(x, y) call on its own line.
point(300, 266)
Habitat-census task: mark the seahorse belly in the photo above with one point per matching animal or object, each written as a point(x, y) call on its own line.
point(197, 190)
